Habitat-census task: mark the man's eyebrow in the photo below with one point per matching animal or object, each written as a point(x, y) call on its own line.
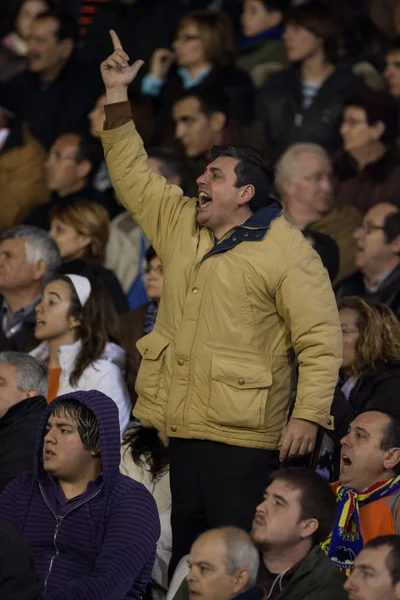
point(359, 429)
point(49, 424)
point(215, 170)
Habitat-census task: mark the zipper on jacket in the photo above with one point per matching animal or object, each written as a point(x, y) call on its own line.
point(59, 521)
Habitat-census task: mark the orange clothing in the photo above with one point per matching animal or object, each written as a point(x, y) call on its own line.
point(53, 384)
point(381, 517)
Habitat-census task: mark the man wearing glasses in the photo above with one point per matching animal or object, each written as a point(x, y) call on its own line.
point(377, 258)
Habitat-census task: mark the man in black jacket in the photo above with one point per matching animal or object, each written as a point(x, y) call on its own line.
point(17, 570)
point(377, 259)
point(28, 259)
point(23, 388)
point(56, 93)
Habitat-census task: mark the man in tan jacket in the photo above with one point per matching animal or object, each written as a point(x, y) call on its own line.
point(244, 294)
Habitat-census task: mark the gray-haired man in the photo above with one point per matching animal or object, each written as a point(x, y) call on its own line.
point(23, 388)
point(28, 259)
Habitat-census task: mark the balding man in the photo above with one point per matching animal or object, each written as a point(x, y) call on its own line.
point(304, 182)
point(223, 564)
point(377, 259)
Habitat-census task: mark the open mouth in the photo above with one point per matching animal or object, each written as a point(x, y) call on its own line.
point(39, 322)
point(204, 200)
point(49, 453)
point(346, 462)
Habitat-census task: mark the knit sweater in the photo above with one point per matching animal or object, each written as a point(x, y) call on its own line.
point(103, 547)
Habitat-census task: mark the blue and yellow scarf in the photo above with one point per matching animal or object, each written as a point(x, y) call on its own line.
point(346, 541)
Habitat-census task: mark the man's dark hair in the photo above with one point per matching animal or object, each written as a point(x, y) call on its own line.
point(211, 99)
point(252, 168)
point(67, 24)
point(150, 254)
point(391, 227)
point(327, 249)
point(85, 420)
point(378, 106)
point(317, 18)
point(393, 558)
point(90, 149)
point(391, 437)
point(317, 499)
point(173, 165)
point(394, 45)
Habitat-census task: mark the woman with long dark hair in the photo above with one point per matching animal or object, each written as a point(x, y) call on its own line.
point(78, 327)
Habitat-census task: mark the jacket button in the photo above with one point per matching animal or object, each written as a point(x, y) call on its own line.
point(181, 362)
point(195, 290)
point(329, 421)
point(246, 234)
point(234, 239)
point(174, 428)
point(146, 350)
point(241, 381)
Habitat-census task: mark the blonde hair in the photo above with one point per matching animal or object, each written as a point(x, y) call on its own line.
point(286, 167)
point(379, 335)
point(89, 219)
point(216, 33)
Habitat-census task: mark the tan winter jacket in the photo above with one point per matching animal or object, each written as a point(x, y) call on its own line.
point(219, 364)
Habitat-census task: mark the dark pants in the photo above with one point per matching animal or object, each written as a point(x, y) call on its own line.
point(213, 485)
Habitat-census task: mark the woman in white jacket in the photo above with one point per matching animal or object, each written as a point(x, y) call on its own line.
point(80, 331)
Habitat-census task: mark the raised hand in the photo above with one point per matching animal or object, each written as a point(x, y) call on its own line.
point(161, 62)
point(116, 72)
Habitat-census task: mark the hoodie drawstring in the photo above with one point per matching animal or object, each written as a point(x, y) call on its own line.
point(278, 578)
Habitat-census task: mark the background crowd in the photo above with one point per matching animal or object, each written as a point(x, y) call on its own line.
point(315, 86)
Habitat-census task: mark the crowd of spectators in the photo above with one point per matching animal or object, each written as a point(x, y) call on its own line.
point(146, 450)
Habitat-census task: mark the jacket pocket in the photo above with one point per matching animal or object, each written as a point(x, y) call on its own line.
point(152, 348)
point(238, 393)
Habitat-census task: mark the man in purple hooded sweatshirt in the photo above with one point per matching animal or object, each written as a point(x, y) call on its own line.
point(92, 530)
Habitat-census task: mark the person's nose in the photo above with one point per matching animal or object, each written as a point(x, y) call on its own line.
point(326, 184)
point(179, 131)
point(39, 307)
point(345, 441)
point(49, 437)
point(191, 575)
point(202, 180)
point(350, 585)
point(359, 233)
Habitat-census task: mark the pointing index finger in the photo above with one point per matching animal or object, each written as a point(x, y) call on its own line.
point(115, 40)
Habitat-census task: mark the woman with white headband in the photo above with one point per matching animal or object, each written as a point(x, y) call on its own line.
point(81, 341)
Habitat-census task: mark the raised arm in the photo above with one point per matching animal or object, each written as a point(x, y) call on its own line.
point(159, 209)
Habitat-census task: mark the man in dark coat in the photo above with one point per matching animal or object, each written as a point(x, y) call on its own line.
point(17, 570)
point(377, 259)
point(23, 390)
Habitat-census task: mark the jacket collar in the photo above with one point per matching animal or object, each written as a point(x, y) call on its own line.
point(67, 354)
point(21, 408)
point(346, 167)
point(252, 230)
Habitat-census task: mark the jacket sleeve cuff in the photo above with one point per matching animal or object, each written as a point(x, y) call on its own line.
point(117, 114)
point(309, 414)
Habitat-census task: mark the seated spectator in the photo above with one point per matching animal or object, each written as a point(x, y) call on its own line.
point(368, 489)
point(17, 569)
point(127, 246)
point(81, 229)
point(201, 117)
point(376, 572)
point(145, 458)
point(370, 372)
point(14, 46)
point(296, 515)
point(70, 165)
point(261, 48)
point(377, 259)
point(140, 321)
point(368, 169)
point(203, 51)
point(305, 102)
point(28, 259)
point(22, 178)
point(56, 93)
point(78, 328)
point(23, 391)
point(304, 182)
point(106, 525)
point(392, 70)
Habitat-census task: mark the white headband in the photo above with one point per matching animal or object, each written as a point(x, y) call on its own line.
point(82, 287)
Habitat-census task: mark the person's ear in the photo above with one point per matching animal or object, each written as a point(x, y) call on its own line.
point(395, 245)
point(84, 168)
point(218, 122)
point(241, 580)
point(378, 130)
point(74, 322)
point(66, 48)
point(246, 194)
point(39, 270)
point(31, 393)
point(84, 241)
point(391, 459)
point(308, 527)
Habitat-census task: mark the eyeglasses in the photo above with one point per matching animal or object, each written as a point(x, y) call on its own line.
point(370, 227)
point(354, 122)
point(158, 269)
point(186, 37)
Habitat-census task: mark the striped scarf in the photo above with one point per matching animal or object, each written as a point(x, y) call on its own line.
point(346, 541)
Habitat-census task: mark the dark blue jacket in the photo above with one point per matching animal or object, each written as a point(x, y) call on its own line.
point(104, 547)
